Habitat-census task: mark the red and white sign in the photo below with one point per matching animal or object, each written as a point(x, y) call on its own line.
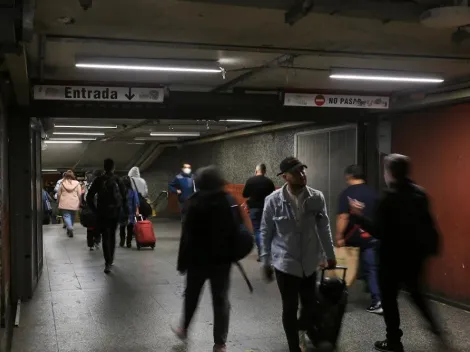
point(336, 101)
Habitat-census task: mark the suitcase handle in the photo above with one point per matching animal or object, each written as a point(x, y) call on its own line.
point(139, 217)
point(339, 267)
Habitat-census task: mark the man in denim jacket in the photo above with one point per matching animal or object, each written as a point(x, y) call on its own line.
point(295, 236)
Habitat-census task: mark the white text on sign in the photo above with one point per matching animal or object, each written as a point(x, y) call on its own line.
point(336, 101)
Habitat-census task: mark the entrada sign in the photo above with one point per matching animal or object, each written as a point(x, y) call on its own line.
point(101, 94)
point(336, 101)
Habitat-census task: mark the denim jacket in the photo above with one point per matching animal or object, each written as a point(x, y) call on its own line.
point(291, 247)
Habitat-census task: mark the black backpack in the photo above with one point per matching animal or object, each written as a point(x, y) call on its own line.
point(110, 202)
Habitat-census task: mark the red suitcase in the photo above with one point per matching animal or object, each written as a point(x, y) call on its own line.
point(144, 234)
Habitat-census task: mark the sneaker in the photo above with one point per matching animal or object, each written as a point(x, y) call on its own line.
point(70, 233)
point(129, 245)
point(180, 333)
point(386, 346)
point(376, 308)
point(121, 244)
point(92, 249)
point(107, 269)
point(220, 348)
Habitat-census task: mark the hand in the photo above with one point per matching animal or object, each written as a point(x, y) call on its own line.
point(268, 273)
point(356, 207)
point(178, 191)
point(340, 242)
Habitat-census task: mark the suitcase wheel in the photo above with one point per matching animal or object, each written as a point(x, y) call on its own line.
point(153, 246)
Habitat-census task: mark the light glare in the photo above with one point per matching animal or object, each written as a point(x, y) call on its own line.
point(386, 78)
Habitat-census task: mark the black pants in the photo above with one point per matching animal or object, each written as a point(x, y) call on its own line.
point(107, 230)
point(130, 233)
point(391, 279)
point(219, 278)
point(291, 288)
point(93, 236)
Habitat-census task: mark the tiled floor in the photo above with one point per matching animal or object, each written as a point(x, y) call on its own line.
point(78, 308)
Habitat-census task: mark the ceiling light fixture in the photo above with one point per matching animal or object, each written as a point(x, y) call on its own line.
point(175, 134)
point(150, 68)
point(49, 170)
point(62, 142)
point(71, 139)
point(386, 78)
point(155, 139)
point(83, 127)
point(79, 133)
point(243, 121)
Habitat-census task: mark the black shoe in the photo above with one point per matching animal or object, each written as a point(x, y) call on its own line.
point(92, 249)
point(70, 233)
point(376, 308)
point(64, 226)
point(386, 346)
point(129, 245)
point(107, 268)
point(121, 244)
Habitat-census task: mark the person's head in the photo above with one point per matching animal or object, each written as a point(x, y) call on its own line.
point(397, 169)
point(186, 169)
point(293, 172)
point(127, 182)
point(89, 176)
point(69, 175)
point(108, 165)
point(209, 178)
point(260, 169)
point(353, 174)
point(63, 175)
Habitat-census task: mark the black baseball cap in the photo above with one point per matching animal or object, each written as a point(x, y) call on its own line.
point(290, 164)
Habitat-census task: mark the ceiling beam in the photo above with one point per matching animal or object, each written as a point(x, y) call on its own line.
point(254, 48)
point(126, 130)
point(18, 70)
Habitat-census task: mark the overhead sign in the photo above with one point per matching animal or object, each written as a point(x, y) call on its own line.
point(101, 94)
point(336, 101)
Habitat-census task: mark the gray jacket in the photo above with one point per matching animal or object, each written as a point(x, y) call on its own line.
point(291, 247)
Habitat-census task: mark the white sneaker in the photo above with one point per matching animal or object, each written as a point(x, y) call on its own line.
point(376, 308)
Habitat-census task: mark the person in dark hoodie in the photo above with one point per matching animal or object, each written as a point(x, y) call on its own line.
point(206, 250)
point(183, 185)
point(408, 238)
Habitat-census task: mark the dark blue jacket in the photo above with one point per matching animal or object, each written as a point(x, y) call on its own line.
point(184, 183)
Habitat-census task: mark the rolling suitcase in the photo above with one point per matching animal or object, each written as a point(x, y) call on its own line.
point(144, 234)
point(331, 306)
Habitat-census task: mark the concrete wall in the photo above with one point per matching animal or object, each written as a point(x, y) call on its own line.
point(237, 158)
point(438, 143)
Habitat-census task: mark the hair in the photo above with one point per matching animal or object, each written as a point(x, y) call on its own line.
point(69, 175)
point(355, 171)
point(127, 182)
point(184, 164)
point(399, 167)
point(261, 167)
point(108, 165)
point(209, 178)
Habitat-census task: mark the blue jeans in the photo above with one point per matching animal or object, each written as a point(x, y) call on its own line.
point(370, 271)
point(68, 216)
point(255, 216)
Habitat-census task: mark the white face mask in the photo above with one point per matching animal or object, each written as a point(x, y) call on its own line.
point(187, 170)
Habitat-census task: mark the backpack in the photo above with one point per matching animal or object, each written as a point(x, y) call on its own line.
point(110, 202)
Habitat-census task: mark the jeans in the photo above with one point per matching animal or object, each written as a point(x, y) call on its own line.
point(219, 278)
point(255, 216)
point(291, 287)
point(370, 271)
point(68, 216)
point(391, 278)
point(107, 229)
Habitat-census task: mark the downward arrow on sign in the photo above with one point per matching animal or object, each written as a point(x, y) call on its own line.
point(129, 96)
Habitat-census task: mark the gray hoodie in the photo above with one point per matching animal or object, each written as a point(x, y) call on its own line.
point(139, 182)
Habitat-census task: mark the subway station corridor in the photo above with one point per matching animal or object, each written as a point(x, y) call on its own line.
point(78, 308)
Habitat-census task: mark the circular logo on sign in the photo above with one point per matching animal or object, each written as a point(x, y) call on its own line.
point(320, 100)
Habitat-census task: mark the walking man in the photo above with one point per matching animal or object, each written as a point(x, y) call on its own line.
point(295, 231)
point(112, 196)
point(257, 188)
point(408, 238)
point(183, 185)
point(350, 233)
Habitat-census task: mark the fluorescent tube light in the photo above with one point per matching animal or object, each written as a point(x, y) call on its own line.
point(243, 121)
point(383, 78)
point(148, 68)
point(136, 143)
point(83, 127)
point(175, 134)
point(155, 139)
point(62, 142)
point(49, 170)
point(71, 139)
point(79, 133)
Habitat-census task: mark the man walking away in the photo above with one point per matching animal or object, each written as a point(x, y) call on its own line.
point(93, 236)
point(295, 231)
point(348, 231)
point(112, 198)
point(408, 238)
point(183, 185)
point(257, 188)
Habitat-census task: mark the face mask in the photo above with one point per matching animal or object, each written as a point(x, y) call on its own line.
point(187, 170)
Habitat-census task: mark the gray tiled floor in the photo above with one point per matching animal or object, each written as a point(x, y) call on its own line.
point(78, 308)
